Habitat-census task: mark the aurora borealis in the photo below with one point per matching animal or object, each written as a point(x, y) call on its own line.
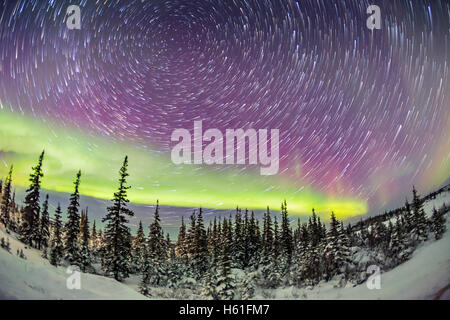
point(363, 115)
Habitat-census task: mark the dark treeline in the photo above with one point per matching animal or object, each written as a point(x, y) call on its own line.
point(206, 258)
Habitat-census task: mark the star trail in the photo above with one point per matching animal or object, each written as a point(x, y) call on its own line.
point(363, 114)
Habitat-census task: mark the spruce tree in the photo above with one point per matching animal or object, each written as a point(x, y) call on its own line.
point(332, 248)
point(238, 241)
point(138, 247)
point(409, 218)
point(191, 231)
point(93, 240)
point(181, 247)
point(190, 239)
point(56, 252)
point(225, 280)
point(438, 223)
point(254, 242)
point(267, 237)
point(31, 210)
point(298, 268)
point(200, 256)
point(314, 229)
point(44, 226)
point(276, 268)
point(144, 285)
point(85, 252)
point(174, 270)
point(286, 238)
point(13, 222)
point(211, 236)
point(247, 286)
point(117, 249)
point(154, 269)
point(398, 248)
point(419, 218)
point(5, 203)
point(72, 227)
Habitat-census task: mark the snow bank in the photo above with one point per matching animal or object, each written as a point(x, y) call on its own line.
point(35, 278)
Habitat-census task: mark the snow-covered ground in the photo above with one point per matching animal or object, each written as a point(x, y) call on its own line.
point(35, 278)
point(425, 276)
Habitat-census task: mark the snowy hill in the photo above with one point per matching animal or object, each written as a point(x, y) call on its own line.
point(35, 278)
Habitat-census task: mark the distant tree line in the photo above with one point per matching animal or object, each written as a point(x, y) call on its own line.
point(272, 252)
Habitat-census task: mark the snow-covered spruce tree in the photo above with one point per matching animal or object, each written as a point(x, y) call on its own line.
point(409, 218)
point(14, 214)
point(275, 269)
point(312, 268)
point(216, 239)
point(286, 238)
point(420, 227)
point(30, 217)
point(299, 256)
point(93, 242)
point(137, 249)
point(314, 229)
point(380, 235)
point(100, 246)
point(238, 247)
point(247, 286)
point(246, 235)
point(331, 250)
point(168, 246)
point(225, 281)
point(144, 285)
point(200, 248)
point(175, 270)
point(190, 240)
point(398, 248)
point(182, 249)
point(154, 268)
point(5, 201)
point(56, 252)
point(438, 223)
point(72, 227)
point(267, 238)
point(117, 238)
point(254, 242)
point(214, 243)
point(344, 261)
point(44, 226)
point(85, 251)
point(264, 274)
point(208, 288)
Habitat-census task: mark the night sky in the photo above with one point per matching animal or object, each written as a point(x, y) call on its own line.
point(363, 114)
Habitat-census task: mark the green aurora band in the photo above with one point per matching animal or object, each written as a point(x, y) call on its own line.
point(152, 174)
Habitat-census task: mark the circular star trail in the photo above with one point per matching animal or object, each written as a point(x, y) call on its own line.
point(362, 113)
